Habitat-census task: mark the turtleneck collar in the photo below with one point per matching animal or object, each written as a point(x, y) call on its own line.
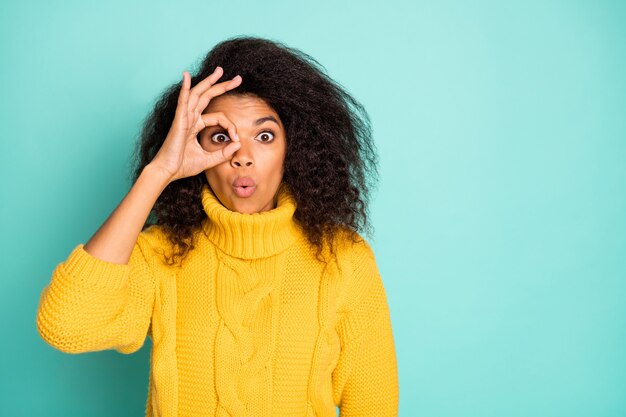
point(250, 236)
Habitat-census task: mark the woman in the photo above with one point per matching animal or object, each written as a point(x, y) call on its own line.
point(236, 249)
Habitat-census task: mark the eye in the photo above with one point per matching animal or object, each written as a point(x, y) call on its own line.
point(264, 136)
point(215, 138)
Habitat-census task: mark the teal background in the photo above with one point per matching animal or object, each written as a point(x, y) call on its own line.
point(500, 216)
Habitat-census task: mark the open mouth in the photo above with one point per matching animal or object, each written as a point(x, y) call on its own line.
point(244, 190)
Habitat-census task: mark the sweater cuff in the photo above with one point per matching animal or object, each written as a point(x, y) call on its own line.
point(92, 272)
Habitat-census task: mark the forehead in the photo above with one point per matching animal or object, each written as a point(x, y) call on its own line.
point(239, 106)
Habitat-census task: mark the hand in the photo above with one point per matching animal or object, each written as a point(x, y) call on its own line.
point(180, 154)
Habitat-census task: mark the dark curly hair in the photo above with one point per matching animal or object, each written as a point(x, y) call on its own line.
point(330, 163)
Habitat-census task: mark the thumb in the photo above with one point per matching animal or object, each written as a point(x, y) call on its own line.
point(230, 149)
point(217, 157)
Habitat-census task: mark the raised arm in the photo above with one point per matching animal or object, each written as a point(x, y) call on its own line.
point(101, 296)
point(179, 156)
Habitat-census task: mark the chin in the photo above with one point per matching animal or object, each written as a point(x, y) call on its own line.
point(242, 207)
point(244, 210)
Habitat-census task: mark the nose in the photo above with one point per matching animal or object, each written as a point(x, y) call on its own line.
point(242, 156)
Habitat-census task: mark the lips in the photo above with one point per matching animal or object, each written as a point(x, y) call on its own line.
point(244, 187)
point(244, 182)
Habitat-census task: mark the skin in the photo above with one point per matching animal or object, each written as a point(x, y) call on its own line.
point(260, 156)
point(180, 156)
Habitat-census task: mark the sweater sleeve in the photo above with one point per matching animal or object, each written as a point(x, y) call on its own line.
point(366, 375)
point(92, 305)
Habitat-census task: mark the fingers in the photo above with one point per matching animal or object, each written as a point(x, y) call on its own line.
point(230, 149)
point(219, 118)
point(183, 98)
point(221, 155)
point(208, 84)
point(197, 98)
point(215, 91)
point(210, 80)
point(202, 86)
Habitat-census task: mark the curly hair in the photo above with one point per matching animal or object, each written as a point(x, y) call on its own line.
point(330, 164)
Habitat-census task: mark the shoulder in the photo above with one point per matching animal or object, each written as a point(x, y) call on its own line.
point(353, 248)
point(357, 265)
point(153, 242)
point(153, 236)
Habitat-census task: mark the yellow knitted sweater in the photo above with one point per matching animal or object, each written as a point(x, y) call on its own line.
point(251, 323)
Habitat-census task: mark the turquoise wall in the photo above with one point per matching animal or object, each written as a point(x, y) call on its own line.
point(500, 216)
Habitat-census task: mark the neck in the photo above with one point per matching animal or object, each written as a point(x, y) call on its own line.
point(251, 236)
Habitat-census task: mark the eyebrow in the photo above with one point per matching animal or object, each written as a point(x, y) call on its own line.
point(266, 119)
point(256, 123)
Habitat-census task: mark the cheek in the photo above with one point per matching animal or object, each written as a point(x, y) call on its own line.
point(215, 176)
point(278, 155)
point(274, 163)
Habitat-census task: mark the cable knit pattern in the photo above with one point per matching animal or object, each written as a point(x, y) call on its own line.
point(251, 323)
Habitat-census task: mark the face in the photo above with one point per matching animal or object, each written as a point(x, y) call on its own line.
point(259, 160)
